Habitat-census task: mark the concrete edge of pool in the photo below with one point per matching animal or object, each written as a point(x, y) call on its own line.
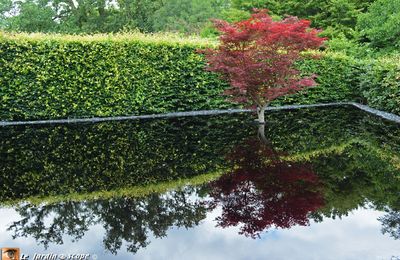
point(379, 113)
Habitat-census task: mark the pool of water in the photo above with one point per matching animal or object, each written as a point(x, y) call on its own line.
point(317, 183)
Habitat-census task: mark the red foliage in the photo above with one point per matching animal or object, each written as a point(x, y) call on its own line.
point(263, 191)
point(257, 56)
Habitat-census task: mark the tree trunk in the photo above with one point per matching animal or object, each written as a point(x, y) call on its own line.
point(261, 114)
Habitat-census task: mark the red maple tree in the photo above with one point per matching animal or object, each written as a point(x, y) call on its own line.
point(257, 57)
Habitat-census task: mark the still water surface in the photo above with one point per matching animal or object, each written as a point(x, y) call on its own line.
point(314, 184)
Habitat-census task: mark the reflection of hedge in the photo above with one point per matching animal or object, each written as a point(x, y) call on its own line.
point(90, 157)
point(361, 162)
point(357, 177)
point(58, 160)
point(81, 76)
point(306, 130)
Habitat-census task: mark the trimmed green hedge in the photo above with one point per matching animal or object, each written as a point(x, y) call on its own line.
point(336, 77)
point(55, 76)
point(59, 77)
point(380, 84)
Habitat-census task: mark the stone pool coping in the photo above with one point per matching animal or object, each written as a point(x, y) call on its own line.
point(379, 113)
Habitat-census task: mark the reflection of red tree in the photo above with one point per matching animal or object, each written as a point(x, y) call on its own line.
point(263, 191)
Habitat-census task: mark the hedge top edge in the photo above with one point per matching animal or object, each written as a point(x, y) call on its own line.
point(153, 38)
point(165, 38)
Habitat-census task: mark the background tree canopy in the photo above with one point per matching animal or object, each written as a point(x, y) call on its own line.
point(381, 24)
point(350, 24)
point(91, 16)
point(165, 15)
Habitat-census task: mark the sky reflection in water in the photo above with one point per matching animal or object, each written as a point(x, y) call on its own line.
point(357, 236)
